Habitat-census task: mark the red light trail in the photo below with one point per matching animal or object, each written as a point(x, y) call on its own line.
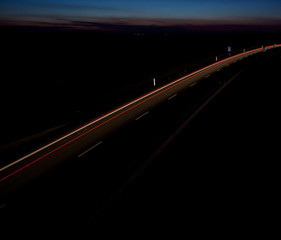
point(138, 102)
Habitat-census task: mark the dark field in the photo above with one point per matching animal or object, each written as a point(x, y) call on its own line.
point(52, 78)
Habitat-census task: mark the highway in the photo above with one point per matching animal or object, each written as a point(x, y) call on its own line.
point(91, 137)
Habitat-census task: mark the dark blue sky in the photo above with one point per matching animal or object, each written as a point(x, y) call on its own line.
point(141, 12)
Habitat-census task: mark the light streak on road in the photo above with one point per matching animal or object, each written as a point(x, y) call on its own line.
point(120, 111)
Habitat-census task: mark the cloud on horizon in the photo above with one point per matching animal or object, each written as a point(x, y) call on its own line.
point(144, 24)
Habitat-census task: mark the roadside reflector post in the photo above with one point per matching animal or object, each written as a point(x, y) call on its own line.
point(229, 50)
point(216, 58)
point(154, 82)
point(244, 50)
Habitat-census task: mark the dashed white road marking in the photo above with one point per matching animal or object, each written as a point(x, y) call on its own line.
point(90, 149)
point(172, 96)
point(142, 115)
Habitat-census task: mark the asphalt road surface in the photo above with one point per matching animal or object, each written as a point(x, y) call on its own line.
point(70, 183)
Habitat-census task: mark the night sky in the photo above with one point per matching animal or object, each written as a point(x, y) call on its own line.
point(84, 13)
